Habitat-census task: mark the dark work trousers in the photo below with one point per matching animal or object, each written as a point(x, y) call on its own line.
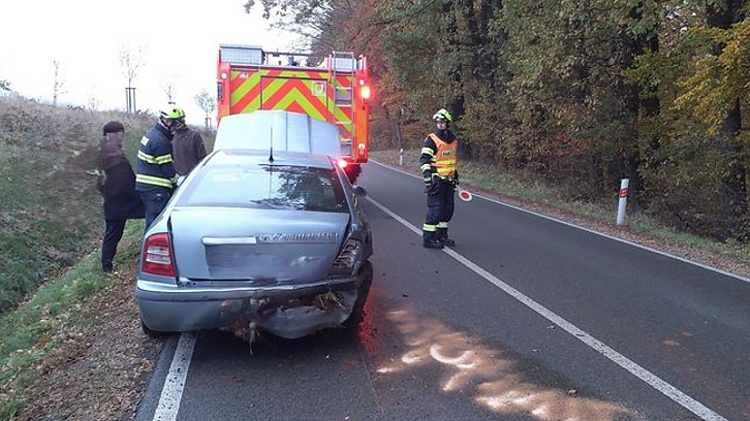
point(154, 203)
point(439, 212)
point(112, 236)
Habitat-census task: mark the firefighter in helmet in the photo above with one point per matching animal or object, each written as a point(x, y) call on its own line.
point(439, 169)
point(155, 174)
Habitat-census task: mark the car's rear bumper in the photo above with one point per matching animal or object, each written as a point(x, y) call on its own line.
point(172, 308)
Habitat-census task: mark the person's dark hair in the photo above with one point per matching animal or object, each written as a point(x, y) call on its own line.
point(113, 127)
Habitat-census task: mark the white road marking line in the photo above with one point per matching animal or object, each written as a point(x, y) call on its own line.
point(651, 379)
point(174, 384)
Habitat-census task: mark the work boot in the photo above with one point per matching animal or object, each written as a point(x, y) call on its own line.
point(442, 237)
point(432, 245)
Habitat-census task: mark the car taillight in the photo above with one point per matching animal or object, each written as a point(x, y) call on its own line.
point(342, 163)
point(157, 256)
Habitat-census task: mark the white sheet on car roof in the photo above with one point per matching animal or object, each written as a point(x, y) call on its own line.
point(285, 130)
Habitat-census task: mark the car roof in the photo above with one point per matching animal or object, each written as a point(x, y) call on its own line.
point(232, 157)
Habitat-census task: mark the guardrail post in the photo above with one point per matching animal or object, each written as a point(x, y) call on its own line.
point(623, 201)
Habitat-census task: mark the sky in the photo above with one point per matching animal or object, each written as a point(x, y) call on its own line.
point(178, 43)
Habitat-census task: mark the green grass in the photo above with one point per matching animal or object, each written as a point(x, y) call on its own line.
point(27, 331)
point(52, 223)
point(50, 217)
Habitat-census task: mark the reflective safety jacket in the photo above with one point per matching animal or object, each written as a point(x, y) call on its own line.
point(154, 168)
point(439, 155)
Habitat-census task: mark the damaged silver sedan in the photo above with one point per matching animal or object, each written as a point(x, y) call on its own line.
point(257, 240)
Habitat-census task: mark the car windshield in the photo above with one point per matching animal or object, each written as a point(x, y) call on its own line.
point(266, 186)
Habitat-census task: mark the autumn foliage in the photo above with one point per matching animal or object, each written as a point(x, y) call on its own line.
point(578, 94)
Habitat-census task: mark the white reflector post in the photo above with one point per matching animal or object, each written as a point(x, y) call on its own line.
point(623, 201)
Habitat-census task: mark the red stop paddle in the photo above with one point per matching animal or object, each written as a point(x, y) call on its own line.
point(464, 195)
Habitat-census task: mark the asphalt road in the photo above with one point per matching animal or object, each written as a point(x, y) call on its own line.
point(526, 318)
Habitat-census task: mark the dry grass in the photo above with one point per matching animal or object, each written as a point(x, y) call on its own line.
point(68, 343)
point(101, 365)
point(50, 217)
point(72, 346)
point(92, 361)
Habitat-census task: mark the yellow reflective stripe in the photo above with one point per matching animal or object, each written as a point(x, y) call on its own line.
point(157, 160)
point(442, 225)
point(447, 171)
point(154, 181)
point(425, 167)
point(446, 167)
point(146, 157)
point(429, 228)
point(164, 159)
point(428, 151)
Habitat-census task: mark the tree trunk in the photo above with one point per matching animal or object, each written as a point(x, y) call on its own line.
point(733, 189)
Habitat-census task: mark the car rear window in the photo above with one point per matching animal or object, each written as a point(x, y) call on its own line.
point(268, 187)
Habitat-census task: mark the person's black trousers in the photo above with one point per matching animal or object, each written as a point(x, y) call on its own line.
point(112, 236)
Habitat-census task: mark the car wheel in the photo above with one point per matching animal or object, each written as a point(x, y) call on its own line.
point(152, 333)
point(359, 305)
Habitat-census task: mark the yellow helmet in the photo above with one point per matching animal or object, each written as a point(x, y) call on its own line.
point(173, 113)
point(444, 115)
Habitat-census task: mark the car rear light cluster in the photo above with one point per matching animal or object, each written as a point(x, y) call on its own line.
point(157, 256)
point(350, 254)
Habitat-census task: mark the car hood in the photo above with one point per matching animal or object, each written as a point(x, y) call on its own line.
point(264, 247)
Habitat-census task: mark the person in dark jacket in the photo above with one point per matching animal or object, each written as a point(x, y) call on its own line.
point(156, 177)
point(121, 201)
point(188, 148)
point(439, 165)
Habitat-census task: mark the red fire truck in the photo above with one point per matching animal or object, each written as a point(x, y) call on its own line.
point(335, 89)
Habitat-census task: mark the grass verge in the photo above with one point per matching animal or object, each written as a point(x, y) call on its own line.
point(38, 328)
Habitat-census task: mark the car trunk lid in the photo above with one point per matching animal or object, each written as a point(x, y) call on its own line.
point(261, 246)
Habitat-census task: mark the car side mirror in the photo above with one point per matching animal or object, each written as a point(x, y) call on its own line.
point(360, 191)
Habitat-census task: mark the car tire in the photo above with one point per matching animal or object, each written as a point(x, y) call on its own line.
point(352, 322)
point(152, 333)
